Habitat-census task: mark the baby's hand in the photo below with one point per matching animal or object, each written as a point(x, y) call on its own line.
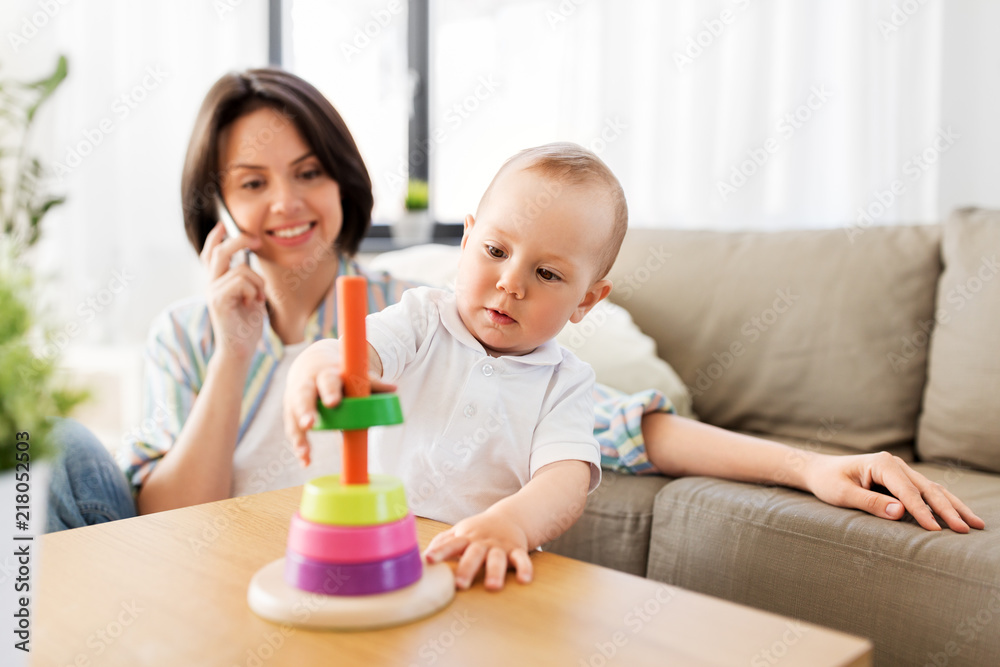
point(316, 372)
point(490, 538)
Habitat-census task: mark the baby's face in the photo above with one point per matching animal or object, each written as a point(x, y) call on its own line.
point(529, 263)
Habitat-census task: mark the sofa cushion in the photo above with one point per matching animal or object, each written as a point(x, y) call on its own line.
point(787, 332)
point(960, 420)
point(915, 593)
point(614, 529)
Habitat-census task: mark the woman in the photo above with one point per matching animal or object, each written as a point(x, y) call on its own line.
point(289, 172)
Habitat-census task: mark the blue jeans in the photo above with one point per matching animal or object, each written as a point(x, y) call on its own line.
point(87, 487)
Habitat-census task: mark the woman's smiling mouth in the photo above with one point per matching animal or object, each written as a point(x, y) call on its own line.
point(292, 234)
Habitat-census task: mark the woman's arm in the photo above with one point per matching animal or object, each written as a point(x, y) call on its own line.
point(198, 467)
point(677, 447)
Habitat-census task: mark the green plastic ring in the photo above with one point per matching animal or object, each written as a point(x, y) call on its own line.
point(359, 412)
point(381, 500)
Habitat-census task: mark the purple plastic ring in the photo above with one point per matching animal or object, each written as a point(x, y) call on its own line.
point(344, 579)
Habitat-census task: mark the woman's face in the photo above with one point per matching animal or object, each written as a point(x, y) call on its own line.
point(277, 190)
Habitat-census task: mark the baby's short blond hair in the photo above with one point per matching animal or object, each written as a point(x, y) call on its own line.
point(567, 163)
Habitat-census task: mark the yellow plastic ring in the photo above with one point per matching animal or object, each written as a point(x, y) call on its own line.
point(326, 500)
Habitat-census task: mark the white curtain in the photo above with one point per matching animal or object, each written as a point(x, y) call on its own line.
point(885, 79)
point(742, 114)
point(115, 134)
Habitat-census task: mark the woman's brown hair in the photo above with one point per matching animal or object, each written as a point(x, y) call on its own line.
point(239, 93)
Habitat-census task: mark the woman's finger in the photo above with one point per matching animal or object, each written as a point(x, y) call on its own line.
point(964, 511)
point(943, 502)
point(887, 472)
point(221, 255)
point(215, 236)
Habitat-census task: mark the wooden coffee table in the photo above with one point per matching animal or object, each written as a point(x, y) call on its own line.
point(170, 589)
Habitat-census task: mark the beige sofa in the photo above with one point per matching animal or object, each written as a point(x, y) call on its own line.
point(843, 341)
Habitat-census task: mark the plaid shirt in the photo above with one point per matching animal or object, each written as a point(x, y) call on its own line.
point(181, 343)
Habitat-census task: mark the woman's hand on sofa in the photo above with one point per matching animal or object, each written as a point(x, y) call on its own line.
point(846, 481)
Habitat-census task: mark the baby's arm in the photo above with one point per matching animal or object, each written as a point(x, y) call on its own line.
point(317, 373)
point(677, 447)
point(541, 511)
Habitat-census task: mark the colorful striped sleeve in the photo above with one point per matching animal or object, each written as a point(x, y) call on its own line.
point(172, 378)
point(618, 427)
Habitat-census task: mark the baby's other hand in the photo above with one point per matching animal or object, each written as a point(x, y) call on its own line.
point(489, 538)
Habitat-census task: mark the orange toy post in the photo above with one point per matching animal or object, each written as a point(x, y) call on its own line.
point(352, 307)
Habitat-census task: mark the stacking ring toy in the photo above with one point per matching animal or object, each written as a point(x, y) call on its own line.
point(352, 557)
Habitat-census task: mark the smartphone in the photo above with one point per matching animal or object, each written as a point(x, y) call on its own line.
point(232, 230)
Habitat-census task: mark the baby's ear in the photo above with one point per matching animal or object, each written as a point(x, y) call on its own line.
point(467, 229)
point(597, 293)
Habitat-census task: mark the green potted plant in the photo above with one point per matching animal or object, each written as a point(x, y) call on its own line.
point(30, 390)
point(416, 225)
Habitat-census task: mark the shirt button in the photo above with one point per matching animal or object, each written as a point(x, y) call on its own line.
point(488, 370)
point(470, 410)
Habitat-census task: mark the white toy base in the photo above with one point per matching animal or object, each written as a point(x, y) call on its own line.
point(271, 598)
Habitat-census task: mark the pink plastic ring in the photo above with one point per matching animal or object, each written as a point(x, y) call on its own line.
point(351, 544)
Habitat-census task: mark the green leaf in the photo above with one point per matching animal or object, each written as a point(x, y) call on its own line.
point(47, 86)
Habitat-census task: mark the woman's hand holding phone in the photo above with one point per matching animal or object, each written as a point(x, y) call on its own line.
point(235, 295)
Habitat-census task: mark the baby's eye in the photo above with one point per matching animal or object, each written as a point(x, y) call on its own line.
point(495, 251)
point(547, 275)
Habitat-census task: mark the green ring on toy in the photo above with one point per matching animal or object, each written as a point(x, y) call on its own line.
point(326, 500)
point(359, 412)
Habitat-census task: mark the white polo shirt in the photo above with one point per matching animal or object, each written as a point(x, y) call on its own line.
point(476, 427)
